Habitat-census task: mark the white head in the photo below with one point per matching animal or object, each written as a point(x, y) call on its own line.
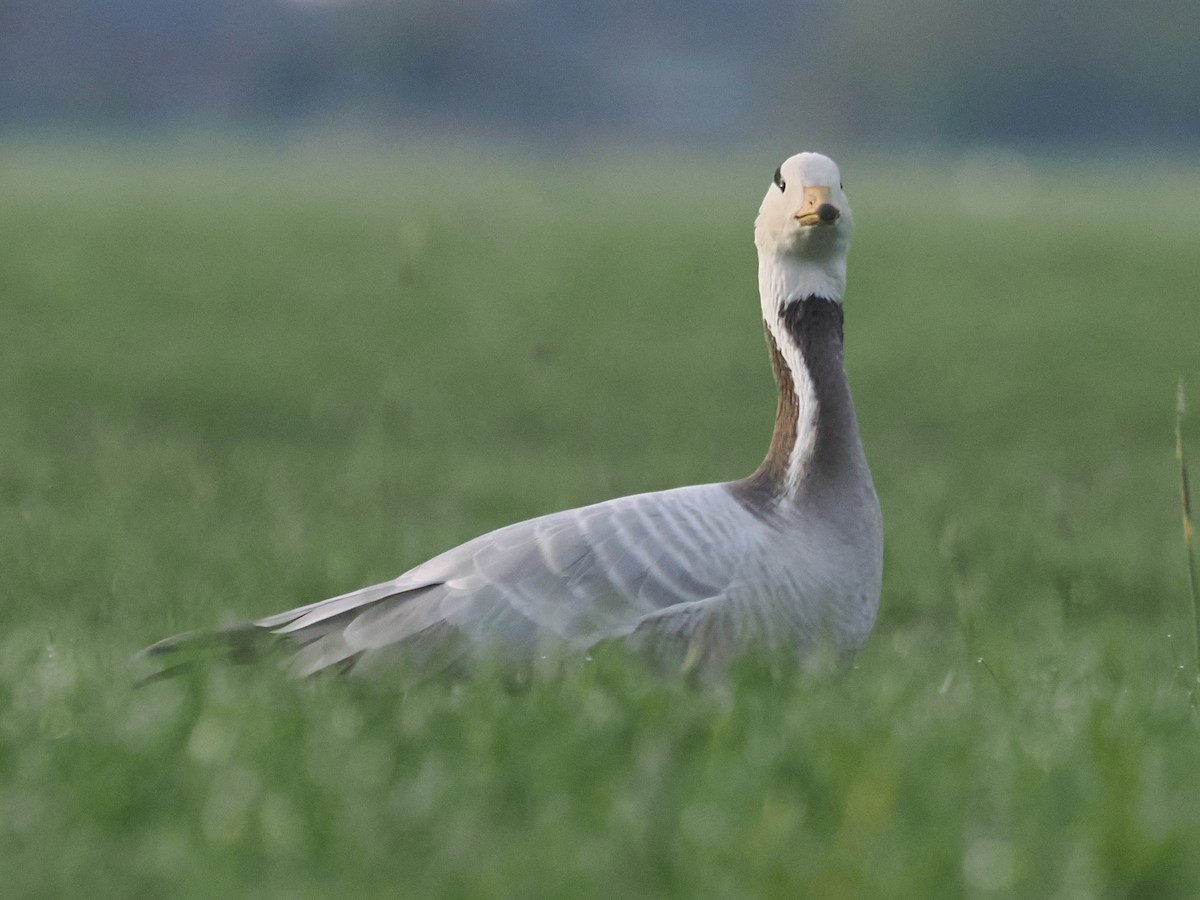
point(803, 233)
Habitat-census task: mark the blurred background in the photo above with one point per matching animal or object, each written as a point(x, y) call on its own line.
point(294, 295)
point(1074, 75)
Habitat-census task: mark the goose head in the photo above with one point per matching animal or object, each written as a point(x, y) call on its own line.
point(803, 233)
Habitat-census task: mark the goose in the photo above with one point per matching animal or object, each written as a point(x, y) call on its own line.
point(781, 562)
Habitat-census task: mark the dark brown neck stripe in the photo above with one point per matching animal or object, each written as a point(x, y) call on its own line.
point(787, 412)
point(815, 325)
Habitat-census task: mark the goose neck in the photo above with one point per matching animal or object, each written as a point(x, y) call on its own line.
point(815, 442)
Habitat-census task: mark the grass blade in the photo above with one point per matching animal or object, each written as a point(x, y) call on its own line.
point(1188, 529)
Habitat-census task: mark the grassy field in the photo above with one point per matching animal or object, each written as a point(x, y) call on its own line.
point(235, 382)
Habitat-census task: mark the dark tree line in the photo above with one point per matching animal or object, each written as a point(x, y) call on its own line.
point(871, 70)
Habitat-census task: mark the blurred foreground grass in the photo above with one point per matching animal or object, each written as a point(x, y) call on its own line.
point(234, 383)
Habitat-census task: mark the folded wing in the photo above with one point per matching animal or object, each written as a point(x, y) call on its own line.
point(577, 577)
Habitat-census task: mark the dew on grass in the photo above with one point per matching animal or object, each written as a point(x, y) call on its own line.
point(211, 740)
point(990, 864)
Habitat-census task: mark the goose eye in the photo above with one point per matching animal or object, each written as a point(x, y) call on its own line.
point(779, 182)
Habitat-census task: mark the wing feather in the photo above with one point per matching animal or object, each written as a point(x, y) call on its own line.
point(581, 576)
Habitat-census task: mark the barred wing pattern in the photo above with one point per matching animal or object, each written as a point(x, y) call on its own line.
point(578, 576)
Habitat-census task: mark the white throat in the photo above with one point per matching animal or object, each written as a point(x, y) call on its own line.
point(783, 278)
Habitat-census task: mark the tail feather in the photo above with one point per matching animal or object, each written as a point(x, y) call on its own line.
point(318, 630)
point(238, 644)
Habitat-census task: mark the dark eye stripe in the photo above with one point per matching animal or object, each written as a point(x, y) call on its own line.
point(779, 182)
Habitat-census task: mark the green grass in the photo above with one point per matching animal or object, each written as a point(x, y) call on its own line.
point(236, 382)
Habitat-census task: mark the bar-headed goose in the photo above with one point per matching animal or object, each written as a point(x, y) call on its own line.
point(779, 562)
